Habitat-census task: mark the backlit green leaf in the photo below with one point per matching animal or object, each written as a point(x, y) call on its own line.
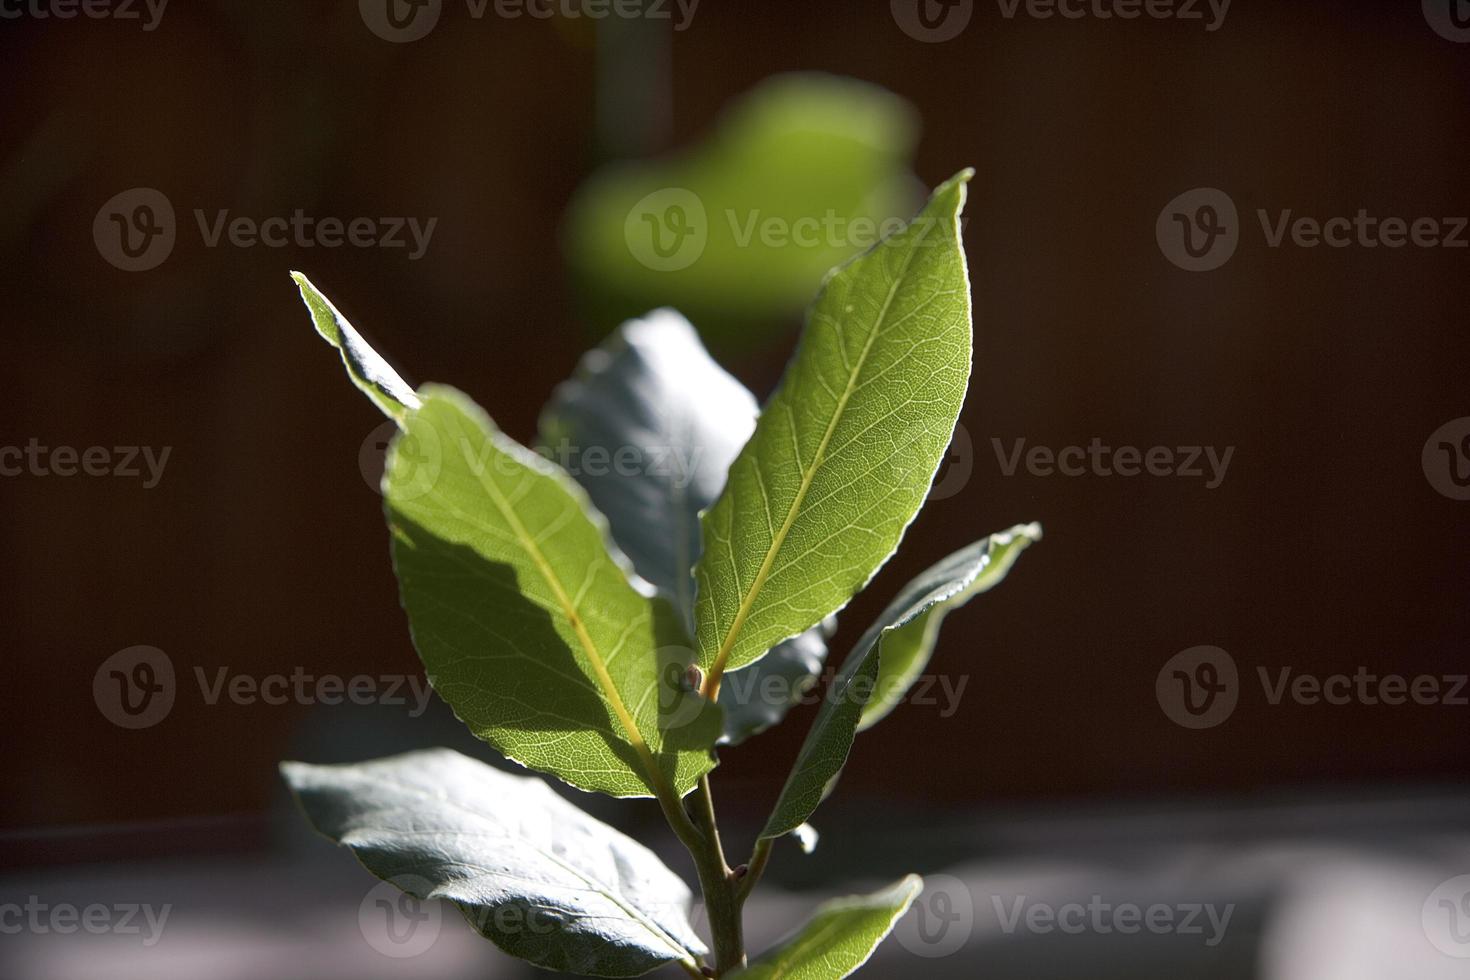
point(365, 366)
point(939, 591)
point(857, 697)
point(530, 871)
point(528, 627)
point(840, 937)
point(844, 453)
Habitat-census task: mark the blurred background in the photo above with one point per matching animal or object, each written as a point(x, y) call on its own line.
point(183, 468)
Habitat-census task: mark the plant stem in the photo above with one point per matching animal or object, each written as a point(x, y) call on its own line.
point(721, 889)
point(759, 858)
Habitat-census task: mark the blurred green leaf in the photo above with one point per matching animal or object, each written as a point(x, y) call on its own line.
point(840, 937)
point(738, 231)
point(531, 872)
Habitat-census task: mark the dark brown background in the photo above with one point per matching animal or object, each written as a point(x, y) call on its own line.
point(263, 549)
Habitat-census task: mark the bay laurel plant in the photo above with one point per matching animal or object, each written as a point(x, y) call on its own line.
point(616, 627)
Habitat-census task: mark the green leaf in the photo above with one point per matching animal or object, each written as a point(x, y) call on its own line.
point(819, 160)
point(840, 937)
point(531, 872)
point(528, 627)
point(649, 426)
point(365, 366)
point(854, 700)
point(948, 585)
point(845, 451)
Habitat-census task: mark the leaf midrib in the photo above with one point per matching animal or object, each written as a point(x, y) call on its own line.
point(717, 668)
point(589, 647)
